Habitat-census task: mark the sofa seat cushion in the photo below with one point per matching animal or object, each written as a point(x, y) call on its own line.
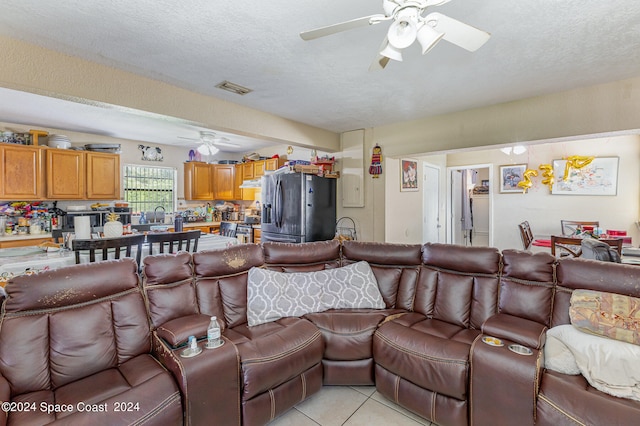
point(565, 399)
point(284, 350)
point(425, 353)
point(138, 389)
point(348, 333)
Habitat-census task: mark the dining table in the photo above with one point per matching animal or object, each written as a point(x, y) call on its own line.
point(16, 261)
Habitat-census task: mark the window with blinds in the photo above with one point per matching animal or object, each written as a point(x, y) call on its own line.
point(147, 187)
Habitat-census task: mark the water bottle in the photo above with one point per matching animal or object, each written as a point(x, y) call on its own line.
point(213, 334)
point(177, 223)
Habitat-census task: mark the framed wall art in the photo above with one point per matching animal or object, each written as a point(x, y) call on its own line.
point(408, 175)
point(599, 177)
point(510, 176)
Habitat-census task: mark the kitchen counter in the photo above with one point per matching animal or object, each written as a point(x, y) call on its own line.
point(23, 240)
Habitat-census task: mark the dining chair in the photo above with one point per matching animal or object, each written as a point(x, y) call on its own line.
point(108, 246)
point(565, 246)
point(525, 234)
point(568, 227)
point(228, 229)
point(172, 242)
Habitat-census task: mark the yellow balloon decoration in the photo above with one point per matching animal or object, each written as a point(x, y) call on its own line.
point(547, 175)
point(526, 183)
point(576, 162)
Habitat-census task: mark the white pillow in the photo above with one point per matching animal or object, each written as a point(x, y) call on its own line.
point(610, 366)
point(273, 295)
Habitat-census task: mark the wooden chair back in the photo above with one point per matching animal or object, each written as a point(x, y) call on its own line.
point(568, 227)
point(228, 229)
point(526, 235)
point(565, 246)
point(172, 242)
point(110, 245)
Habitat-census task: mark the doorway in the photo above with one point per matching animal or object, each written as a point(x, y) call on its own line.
point(431, 204)
point(469, 206)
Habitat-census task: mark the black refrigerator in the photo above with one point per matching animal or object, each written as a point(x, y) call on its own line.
point(298, 208)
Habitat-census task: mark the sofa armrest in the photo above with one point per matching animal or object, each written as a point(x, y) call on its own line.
point(5, 396)
point(209, 382)
point(176, 332)
point(522, 331)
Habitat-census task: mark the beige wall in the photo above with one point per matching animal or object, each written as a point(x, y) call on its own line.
point(542, 209)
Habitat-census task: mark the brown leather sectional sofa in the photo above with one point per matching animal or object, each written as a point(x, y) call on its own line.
point(89, 334)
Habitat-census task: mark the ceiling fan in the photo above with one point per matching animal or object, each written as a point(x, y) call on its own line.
point(409, 25)
point(209, 142)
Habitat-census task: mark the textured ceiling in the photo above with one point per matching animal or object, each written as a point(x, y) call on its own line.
point(537, 47)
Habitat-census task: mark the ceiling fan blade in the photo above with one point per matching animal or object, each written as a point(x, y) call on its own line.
point(225, 143)
point(456, 32)
point(343, 26)
point(380, 61)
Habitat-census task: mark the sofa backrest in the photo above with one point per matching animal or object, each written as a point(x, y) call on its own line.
point(59, 326)
point(527, 285)
point(577, 273)
point(458, 284)
point(221, 281)
point(170, 288)
point(395, 266)
point(308, 257)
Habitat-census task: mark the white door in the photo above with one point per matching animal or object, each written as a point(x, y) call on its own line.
point(431, 204)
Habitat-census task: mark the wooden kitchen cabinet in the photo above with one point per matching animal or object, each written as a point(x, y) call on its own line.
point(198, 181)
point(258, 169)
point(273, 164)
point(65, 171)
point(247, 171)
point(224, 181)
point(103, 176)
point(21, 170)
point(238, 178)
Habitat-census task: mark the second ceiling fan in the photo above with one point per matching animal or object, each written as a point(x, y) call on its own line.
point(410, 25)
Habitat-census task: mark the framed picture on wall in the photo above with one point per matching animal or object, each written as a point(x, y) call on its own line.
point(599, 177)
point(510, 176)
point(408, 175)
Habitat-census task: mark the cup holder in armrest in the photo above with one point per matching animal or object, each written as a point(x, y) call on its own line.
point(520, 350)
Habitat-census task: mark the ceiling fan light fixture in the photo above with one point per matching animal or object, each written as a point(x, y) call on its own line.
point(207, 149)
point(389, 6)
point(402, 33)
point(391, 52)
point(428, 37)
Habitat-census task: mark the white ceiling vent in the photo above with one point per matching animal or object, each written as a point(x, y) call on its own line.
point(233, 88)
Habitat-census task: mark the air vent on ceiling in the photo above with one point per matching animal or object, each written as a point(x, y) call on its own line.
point(233, 88)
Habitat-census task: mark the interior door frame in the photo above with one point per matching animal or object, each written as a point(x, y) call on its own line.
point(450, 212)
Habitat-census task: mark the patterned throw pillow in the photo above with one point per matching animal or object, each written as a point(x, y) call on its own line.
point(273, 295)
point(350, 287)
point(607, 314)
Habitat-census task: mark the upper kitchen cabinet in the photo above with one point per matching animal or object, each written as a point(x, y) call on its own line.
point(273, 164)
point(21, 170)
point(198, 181)
point(103, 176)
point(224, 181)
point(65, 174)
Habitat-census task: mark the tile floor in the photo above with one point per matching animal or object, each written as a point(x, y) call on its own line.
point(348, 406)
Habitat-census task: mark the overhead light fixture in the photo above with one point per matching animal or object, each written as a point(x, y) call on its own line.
point(519, 149)
point(391, 52)
point(428, 37)
point(402, 33)
point(207, 149)
point(233, 88)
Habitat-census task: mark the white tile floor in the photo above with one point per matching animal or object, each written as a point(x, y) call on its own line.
point(348, 406)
